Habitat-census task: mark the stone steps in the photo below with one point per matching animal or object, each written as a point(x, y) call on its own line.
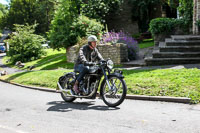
point(185, 37)
point(170, 42)
point(176, 50)
point(171, 61)
point(180, 49)
point(175, 54)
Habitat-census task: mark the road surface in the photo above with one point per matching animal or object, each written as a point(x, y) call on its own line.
point(24, 110)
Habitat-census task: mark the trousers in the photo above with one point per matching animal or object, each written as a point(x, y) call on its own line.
point(82, 71)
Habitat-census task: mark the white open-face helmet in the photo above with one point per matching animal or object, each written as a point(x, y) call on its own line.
point(92, 38)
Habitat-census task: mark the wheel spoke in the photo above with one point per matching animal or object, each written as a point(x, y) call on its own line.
point(113, 96)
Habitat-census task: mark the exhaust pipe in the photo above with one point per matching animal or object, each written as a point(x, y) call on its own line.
point(59, 89)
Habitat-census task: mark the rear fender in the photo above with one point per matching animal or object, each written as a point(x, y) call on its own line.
point(62, 78)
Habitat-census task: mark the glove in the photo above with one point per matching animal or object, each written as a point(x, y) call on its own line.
point(89, 63)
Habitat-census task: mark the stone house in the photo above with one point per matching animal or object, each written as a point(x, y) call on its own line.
point(123, 19)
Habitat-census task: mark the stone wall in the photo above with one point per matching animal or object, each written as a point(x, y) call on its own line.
point(117, 53)
point(72, 53)
point(122, 20)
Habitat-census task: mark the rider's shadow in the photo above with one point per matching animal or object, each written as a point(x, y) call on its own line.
point(61, 106)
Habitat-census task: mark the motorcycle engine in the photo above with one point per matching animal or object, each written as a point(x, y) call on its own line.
point(92, 86)
point(86, 91)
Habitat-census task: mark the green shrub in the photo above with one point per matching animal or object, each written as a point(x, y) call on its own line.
point(68, 26)
point(60, 33)
point(84, 26)
point(167, 25)
point(186, 11)
point(24, 45)
point(99, 9)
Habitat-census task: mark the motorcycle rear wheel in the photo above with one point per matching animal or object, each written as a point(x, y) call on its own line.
point(67, 85)
point(117, 94)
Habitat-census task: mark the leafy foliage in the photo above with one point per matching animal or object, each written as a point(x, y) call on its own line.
point(186, 10)
point(85, 26)
point(121, 37)
point(44, 14)
point(99, 9)
point(25, 45)
point(3, 14)
point(3, 10)
point(30, 11)
point(68, 26)
point(167, 25)
point(60, 33)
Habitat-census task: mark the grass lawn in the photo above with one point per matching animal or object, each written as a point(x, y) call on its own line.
point(53, 60)
point(146, 43)
point(57, 59)
point(165, 82)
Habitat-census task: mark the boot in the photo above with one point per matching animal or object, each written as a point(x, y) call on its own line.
point(75, 88)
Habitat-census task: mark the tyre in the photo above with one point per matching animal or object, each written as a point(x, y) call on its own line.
point(67, 85)
point(117, 94)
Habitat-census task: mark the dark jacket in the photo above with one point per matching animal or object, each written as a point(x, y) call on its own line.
point(88, 55)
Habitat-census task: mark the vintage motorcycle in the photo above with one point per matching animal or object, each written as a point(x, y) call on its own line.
point(113, 88)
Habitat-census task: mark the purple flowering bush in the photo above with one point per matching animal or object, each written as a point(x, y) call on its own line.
point(121, 37)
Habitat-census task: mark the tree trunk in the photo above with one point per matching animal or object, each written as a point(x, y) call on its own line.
point(196, 16)
point(195, 29)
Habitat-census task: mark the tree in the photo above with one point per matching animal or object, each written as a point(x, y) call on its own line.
point(99, 9)
point(186, 10)
point(68, 26)
point(3, 13)
point(30, 11)
point(3, 10)
point(24, 45)
point(60, 34)
point(21, 12)
point(44, 14)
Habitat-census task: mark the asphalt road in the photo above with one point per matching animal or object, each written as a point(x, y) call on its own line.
point(24, 110)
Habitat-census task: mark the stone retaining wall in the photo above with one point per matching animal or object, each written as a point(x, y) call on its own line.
point(117, 53)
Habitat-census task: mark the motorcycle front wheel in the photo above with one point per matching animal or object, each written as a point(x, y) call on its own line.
point(67, 85)
point(116, 94)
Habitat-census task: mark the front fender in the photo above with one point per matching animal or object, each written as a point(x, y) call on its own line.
point(109, 76)
point(116, 74)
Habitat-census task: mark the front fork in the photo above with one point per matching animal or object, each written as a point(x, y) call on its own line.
point(107, 82)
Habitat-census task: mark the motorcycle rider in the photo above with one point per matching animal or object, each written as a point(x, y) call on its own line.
point(88, 55)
